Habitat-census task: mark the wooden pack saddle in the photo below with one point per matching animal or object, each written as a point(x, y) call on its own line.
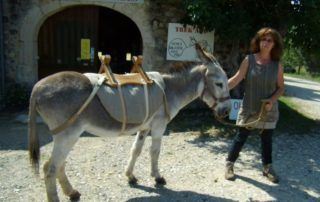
point(136, 77)
point(130, 98)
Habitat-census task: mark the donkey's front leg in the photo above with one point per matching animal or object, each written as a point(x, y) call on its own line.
point(135, 152)
point(157, 134)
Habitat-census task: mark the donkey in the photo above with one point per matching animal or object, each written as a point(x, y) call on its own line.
point(56, 97)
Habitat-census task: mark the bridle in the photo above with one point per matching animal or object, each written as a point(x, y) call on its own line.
point(216, 100)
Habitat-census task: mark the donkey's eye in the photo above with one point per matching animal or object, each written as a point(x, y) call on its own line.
point(219, 84)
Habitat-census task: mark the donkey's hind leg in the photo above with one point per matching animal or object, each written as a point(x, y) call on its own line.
point(63, 142)
point(135, 152)
point(66, 185)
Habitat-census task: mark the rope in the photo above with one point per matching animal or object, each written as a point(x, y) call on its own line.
point(249, 125)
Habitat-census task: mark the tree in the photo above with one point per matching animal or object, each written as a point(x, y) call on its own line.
point(235, 22)
point(304, 31)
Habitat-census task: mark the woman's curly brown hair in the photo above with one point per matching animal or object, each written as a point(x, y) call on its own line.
point(277, 49)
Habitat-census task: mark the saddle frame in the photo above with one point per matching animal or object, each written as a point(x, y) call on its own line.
point(137, 76)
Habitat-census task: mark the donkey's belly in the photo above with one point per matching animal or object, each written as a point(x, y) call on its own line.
point(97, 121)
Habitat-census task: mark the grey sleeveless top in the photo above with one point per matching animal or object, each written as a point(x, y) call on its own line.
point(260, 83)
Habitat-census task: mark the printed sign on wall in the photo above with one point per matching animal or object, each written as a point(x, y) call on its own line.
point(85, 49)
point(181, 41)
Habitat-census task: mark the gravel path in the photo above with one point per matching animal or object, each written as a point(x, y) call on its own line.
point(192, 165)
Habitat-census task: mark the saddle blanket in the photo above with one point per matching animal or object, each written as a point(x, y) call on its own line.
point(134, 98)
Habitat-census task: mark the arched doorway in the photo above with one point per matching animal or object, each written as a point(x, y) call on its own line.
point(71, 39)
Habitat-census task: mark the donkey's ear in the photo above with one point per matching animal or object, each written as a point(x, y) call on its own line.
point(203, 55)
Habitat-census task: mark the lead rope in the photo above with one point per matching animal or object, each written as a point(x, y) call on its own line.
point(249, 126)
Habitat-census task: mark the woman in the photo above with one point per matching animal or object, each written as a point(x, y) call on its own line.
point(263, 76)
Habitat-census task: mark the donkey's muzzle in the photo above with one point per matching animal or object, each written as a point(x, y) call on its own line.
point(223, 112)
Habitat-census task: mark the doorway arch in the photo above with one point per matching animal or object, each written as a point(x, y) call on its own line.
point(71, 39)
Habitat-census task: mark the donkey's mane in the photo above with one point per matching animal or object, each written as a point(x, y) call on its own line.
point(179, 67)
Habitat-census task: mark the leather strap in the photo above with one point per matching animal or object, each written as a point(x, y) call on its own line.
point(75, 116)
point(216, 100)
point(146, 100)
point(124, 110)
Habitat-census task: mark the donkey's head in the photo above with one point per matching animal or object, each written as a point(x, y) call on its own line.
point(215, 92)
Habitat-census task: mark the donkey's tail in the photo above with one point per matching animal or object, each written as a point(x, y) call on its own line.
point(33, 144)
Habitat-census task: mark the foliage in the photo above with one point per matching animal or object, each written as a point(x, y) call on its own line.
point(298, 21)
point(293, 57)
point(304, 74)
point(234, 19)
point(17, 97)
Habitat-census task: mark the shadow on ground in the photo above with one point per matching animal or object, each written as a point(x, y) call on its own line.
point(14, 134)
point(167, 195)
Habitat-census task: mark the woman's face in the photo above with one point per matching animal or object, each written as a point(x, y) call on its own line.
point(266, 43)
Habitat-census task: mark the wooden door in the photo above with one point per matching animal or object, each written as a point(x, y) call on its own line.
point(59, 42)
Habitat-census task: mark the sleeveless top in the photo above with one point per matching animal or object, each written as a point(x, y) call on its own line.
point(260, 83)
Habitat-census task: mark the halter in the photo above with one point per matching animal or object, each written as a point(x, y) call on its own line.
point(216, 100)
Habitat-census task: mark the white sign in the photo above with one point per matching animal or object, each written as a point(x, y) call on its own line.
point(124, 1)
point(235, 106)
point(181, 41)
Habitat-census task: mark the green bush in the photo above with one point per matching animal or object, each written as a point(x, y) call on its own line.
point(293, 59)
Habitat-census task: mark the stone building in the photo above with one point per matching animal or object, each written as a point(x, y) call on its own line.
point(40, 37)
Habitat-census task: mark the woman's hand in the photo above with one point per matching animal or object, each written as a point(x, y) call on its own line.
point(268, 105)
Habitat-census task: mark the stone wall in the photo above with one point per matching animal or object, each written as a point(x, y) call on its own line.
point(23, 19)
point(162, 14)
point(13, 13)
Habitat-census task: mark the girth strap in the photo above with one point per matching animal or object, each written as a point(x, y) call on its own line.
point(146, 100)
point(124, 110)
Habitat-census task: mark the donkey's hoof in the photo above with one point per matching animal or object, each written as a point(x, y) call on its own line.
point(75, 195)
point(133, 181)
point(160, 181)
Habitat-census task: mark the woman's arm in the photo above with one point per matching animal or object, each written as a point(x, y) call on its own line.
point(239, 76)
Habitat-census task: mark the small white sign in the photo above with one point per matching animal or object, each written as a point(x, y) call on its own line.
point(235, 106)
point(181, 41)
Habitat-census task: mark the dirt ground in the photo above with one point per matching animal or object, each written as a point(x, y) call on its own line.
point(193, 166)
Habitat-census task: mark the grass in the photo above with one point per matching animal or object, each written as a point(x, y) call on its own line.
point(293, 121)
point(305, 75)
